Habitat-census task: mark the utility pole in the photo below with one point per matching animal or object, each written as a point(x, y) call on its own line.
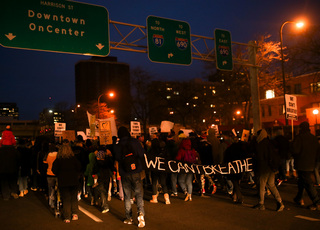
point(254, 85)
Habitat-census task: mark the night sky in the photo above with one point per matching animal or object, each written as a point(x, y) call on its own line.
point(29, 78)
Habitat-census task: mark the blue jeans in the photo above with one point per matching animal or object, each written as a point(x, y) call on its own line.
point(185, 182)
point(133, 183)
point(174, 179)
point(52, 181)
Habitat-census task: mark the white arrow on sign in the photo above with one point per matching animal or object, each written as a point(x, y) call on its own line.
point(100, 46)
point(170, 55)
point(10, 36)
point(224, 62)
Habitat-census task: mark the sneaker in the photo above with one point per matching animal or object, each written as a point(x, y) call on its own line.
point(260, 207)
point(105, 210)
point(174, 194)
point(75, 217)
point(142, 223)
point(279, 182)
point(299, 202)
point(128, 221)
point(67, 221)
point(214, 189)
point(15, 195)
point(280, 207)
point(21, 194)
point(314, 207)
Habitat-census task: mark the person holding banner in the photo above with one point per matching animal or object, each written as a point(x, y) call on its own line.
point(186, 154)
point(158, 150)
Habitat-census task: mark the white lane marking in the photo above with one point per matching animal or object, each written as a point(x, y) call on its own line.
point(96, 219)
point(307, 218)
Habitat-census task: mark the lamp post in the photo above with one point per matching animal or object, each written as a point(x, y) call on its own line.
point(300, 24)
point(110, 94)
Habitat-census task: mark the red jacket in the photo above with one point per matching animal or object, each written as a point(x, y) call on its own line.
point(7, 138)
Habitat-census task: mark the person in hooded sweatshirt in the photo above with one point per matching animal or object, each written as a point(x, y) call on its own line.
point(306, 151)
point(265, 175)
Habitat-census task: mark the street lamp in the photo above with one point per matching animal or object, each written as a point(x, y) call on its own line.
point(110, 94)
point(299, 25)
point(315, 112)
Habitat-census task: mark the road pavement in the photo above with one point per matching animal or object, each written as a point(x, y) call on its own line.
point(211, 212)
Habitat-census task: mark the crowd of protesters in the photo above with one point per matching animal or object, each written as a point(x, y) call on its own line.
point(70, 171)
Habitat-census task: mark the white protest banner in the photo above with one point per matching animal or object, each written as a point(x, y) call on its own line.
point(172, 166)
point(166, 126)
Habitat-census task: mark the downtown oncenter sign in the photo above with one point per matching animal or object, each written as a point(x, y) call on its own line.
point(169, 41)
point(56, 25)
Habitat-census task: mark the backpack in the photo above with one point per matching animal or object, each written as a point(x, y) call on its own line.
point(189, 156)
point(274, 160)
point(129, 159)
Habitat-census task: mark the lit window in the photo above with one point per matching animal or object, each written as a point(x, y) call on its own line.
point(270, 94)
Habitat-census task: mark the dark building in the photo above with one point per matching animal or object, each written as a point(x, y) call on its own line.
point(100, 75)
point(9, 111)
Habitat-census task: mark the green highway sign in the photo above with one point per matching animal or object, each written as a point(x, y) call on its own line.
point(223, 49)
point(55, 25)
point(169, 41)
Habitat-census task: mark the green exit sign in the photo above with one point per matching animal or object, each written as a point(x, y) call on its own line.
point(223, 49)
point(169, 41)
point(55, 25)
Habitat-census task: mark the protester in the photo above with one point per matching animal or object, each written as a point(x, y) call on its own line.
point(264, 151)
point(188, 155)
point(102, 170)
point(306, 152)
point(51, 177)
point(89, 177)
point(129, 154)
point(172, 150)
point(283, 147)
point(158, 150)
point(9, 165)
point(7, 137)
point(67, 168)
point(25, 167)
point(236, 151)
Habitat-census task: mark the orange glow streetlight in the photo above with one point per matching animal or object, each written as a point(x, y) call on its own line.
point(299, 25)
point(316, 112)
point(110, 94)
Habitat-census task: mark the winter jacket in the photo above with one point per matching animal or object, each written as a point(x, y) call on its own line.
point(184, 147)
point(305, 150)
point(67, 170)
point(7, 138)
